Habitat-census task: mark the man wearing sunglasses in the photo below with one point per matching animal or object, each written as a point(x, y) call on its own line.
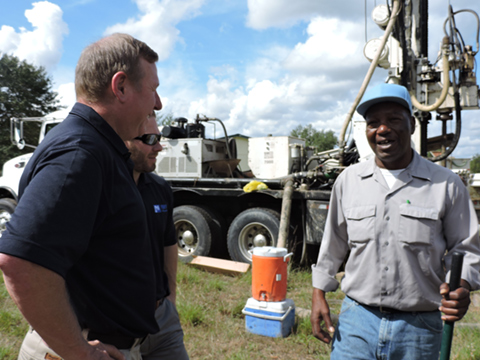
point(158, 199)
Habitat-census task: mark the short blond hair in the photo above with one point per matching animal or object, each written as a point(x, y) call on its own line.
point(100, 61)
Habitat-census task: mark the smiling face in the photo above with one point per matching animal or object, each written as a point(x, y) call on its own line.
point(389, 130)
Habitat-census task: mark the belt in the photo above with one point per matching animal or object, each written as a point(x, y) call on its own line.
point(119, 341)
point(388, 310)
point(382, 309)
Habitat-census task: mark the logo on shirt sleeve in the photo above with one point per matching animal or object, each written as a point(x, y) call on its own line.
point(160, 208)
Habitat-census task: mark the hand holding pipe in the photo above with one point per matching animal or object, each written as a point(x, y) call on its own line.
point(455, 275)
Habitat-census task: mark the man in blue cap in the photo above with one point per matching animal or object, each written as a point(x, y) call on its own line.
point(400, 217)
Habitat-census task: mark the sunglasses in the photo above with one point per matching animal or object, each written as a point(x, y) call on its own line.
point(149, 139)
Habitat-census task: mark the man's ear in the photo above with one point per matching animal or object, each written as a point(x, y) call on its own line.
point(119, 84)
point(413, 122)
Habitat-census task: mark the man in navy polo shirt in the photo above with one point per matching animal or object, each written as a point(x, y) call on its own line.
point(76, 256)
point(167, 344)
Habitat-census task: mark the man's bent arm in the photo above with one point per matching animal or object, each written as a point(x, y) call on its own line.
point(42, 297)
point(170, 267)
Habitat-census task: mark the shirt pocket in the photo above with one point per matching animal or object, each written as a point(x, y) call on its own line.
point(360, 223)
point(417, 224)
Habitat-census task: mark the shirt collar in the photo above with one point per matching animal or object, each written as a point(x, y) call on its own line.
point(416, 168)
point(103, 128)
point(144, 179)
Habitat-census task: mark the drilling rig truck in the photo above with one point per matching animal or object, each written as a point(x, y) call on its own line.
point(224, 211)
point(217, 213)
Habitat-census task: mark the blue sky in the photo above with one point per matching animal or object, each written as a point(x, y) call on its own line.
point(262, 66)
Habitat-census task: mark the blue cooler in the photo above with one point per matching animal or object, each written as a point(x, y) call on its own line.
point(269, 318)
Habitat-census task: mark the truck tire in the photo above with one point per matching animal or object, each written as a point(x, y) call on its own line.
point(252, 228)
point(7, 207)
point(193, 231)
point(218, 228)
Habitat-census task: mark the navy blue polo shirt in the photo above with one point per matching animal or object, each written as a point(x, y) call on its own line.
point(80, 215)
point(158, 199)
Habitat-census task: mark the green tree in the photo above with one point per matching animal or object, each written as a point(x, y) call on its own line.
point(165, 119)
point(475, 164)
point(25, 91)
point(321, 140)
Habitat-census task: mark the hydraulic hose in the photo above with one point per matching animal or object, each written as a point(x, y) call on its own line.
point(458, 129)
point(368, 76)
point(229, 154)
point(446, 83)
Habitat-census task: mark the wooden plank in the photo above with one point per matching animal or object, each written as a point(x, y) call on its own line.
point(221, 266)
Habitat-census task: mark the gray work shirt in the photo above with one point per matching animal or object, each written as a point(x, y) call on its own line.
point(397, 237)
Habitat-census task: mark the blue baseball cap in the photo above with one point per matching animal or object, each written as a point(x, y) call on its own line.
point(382, 93)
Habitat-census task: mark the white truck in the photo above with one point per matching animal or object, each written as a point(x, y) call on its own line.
point(13, 168)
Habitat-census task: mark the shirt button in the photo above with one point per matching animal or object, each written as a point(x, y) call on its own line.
point(387, 218)
point(386, 243)
point(386, 268)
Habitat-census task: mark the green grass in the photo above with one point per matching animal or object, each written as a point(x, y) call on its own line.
point(210, 307)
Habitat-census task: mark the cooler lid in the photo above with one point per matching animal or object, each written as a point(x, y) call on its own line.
point(272, 306)
point(269, 251)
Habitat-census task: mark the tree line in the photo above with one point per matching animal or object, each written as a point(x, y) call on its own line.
point(25, 91)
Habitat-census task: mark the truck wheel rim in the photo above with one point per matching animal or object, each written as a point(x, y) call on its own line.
point(254, 235)
point(187, 237)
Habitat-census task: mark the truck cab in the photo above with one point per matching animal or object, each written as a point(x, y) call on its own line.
point(13, 168)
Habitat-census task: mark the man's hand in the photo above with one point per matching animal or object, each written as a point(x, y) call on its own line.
point(321, 312)
point(455, 303)
point(102, 351)
point(42, 297)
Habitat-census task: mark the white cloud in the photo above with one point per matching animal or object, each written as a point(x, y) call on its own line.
point(264, 14)
point(41, 46)
point(218, 101)
point(156, 24)
point(332, 45)
point(267, 67)
point(66, 94)
point(280, 13)
point(309, 83)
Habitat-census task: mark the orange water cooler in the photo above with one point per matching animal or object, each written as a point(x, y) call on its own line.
point(268, 312)
point(269, 273)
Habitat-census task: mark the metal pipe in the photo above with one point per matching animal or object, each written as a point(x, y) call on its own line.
point(304, 232)
point(366, 80)
point(455, 278)
point(285, 214)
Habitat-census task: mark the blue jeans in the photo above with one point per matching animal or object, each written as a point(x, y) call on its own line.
point(366, 333)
